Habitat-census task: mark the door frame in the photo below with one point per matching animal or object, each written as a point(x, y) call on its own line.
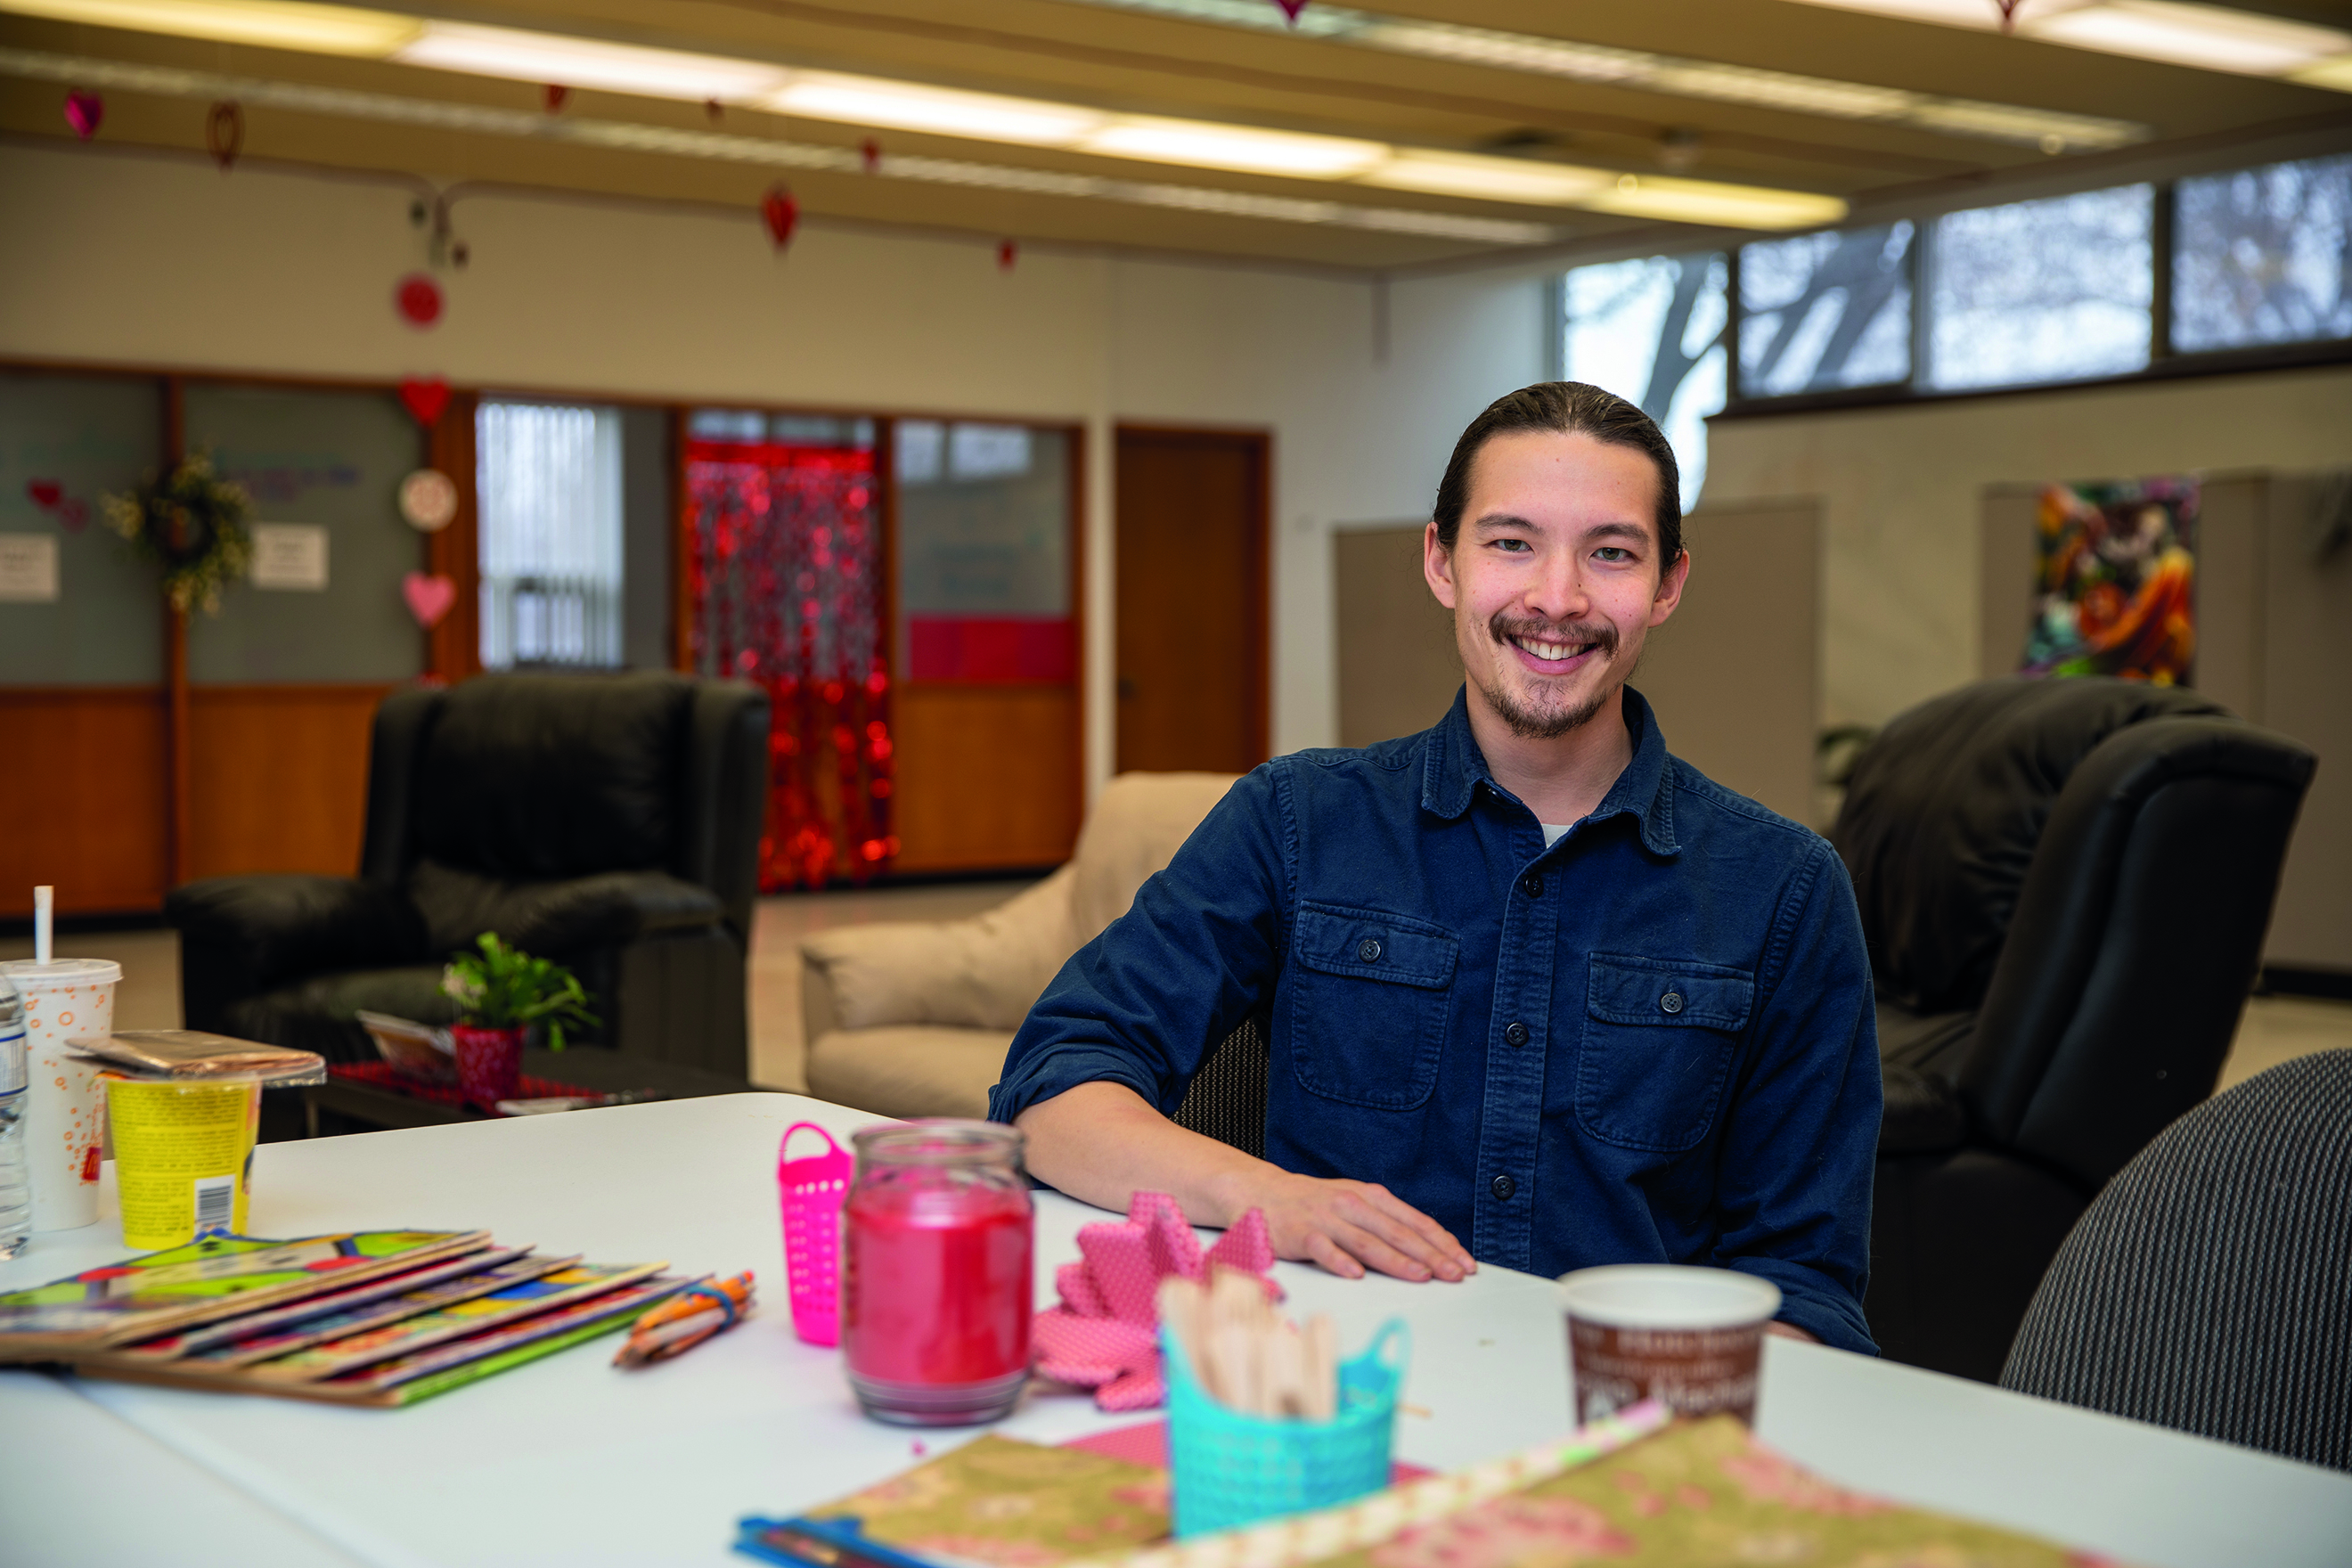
point(1257, 593)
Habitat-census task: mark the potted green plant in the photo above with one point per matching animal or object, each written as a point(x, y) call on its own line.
point(499, 994)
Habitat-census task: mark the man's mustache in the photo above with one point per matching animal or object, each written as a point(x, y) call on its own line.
point(1601, 634)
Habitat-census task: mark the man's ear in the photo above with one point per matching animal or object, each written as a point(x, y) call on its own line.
point(1437, 566)
point(1670, 589)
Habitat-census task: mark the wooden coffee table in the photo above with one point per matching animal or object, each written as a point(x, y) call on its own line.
point(340, 1105)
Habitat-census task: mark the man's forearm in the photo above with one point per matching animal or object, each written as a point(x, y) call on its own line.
point(1103, 1142)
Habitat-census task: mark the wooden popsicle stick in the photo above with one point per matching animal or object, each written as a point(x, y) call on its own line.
point(1322, 1369)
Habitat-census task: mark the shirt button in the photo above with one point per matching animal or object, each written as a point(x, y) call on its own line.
point(1531, 884)
point(1671, 1001)
point(1516, 1035)
point(1503, 1187)
point(1369, 951)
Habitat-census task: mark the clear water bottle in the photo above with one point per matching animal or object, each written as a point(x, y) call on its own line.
point(16, 1181)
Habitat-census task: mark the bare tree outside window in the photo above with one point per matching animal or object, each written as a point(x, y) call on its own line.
point(550, 478)
point(1650, 331)
point(1824, 312)
point(2041, 291)
point(2263, 255)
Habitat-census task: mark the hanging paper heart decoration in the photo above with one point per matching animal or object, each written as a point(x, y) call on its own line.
point(429, 598)
point(224, 132)
point(1007, 253)
point(780, 213)
point(871, 150)
point(83, 112)
point(45, 493)
point(418, 299)
point(425, 399)
point(1290, 10)
point(555, 97)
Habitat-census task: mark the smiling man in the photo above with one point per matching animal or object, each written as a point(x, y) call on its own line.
point(1539, 993)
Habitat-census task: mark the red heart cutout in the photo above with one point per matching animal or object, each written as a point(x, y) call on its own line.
point(429, 598)
point(83, 112)
point(45, 493)
point(782, 215)
point(425, 399)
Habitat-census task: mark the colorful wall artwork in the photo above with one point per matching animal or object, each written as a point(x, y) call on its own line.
point(2115, 591)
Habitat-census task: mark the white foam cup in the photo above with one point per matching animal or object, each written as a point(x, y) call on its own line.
point(65, 1117)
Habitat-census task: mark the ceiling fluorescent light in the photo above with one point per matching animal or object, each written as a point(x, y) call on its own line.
point(2203, 36)
point(267, 24)
point(2333, 72)
point(584, 62)
point(1506, 51)
point(1977, 16)
point(1206, 147)
point(1778, 90)
point(1489, 179)
point(1707, 201)
point(903, 106)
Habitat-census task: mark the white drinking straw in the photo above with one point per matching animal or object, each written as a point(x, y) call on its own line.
point(44, 898)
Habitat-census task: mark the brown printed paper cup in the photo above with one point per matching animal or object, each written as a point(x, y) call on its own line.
point(1689, 1337)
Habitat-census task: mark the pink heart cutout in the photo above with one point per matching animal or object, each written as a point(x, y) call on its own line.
point(429, 598)
point(83, 112)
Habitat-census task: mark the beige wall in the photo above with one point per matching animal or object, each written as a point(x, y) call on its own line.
point(152, 261)
point(1901, 489)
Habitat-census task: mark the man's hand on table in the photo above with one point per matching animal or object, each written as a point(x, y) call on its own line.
point(1350, 1227)
point(1101, 1141)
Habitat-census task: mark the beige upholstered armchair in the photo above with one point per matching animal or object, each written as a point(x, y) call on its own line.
point(913, 1019)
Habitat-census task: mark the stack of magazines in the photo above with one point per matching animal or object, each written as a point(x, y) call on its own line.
point(384, 1318)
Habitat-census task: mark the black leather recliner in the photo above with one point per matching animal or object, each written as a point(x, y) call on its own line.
point(609, 822)
point(2065, 886)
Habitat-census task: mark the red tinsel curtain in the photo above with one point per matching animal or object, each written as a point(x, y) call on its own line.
point(785, 583)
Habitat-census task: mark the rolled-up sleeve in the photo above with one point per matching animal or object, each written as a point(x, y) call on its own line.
point(1799, 1150)
point(1196, 955)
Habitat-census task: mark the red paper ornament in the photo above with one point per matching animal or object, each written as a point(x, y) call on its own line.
point(419, 298)
point(424, 399)
point(555, 94)
point(224, 132)
point(713, 110)
point(1290, 10)
point(871, 150)
point(1006, 254)
point(83, 112)
point(781, 214)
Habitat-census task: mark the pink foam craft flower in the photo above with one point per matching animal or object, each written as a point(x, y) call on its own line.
point(1105, 1335)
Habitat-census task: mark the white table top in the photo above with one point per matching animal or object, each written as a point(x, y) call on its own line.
point(569, 1459)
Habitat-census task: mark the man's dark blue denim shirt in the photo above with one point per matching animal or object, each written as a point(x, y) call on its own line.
point(1652, 1043)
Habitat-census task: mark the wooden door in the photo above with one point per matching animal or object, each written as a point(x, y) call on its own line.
point(1192, 599)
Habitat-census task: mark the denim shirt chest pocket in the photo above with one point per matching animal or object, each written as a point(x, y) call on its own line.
point(1369, 1006)
point(1659, 1038)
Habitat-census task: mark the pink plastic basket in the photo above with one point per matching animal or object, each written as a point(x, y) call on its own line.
point(812, 1191)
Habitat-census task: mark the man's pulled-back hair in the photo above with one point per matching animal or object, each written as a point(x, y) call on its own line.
point(1570, 408)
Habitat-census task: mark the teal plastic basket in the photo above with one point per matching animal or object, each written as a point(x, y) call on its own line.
point(1230, 1471)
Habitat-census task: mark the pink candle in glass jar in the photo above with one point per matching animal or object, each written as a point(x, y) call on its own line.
point(937, 1238)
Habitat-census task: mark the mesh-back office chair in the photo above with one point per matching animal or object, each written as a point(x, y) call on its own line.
point(609, 822)
point(2065, 886)
point(1226, 1099)
point(2210, 1288)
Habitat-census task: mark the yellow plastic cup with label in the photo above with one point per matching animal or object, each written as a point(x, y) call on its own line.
point(183, 1155)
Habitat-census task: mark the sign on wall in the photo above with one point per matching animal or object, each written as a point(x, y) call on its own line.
point(289, 556)
point(28, 568)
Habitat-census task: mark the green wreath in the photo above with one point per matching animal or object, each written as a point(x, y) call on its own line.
point(193, 525)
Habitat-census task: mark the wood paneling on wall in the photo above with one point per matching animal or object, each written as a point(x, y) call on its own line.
point(277, 777)
point(84, 797)
point(988, 775)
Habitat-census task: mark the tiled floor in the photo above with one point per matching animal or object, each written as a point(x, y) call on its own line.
point(2275, 1028)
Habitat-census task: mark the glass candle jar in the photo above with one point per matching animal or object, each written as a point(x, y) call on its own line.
point(937, 1238)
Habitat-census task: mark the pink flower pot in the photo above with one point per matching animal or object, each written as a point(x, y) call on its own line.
point(489, 1062)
